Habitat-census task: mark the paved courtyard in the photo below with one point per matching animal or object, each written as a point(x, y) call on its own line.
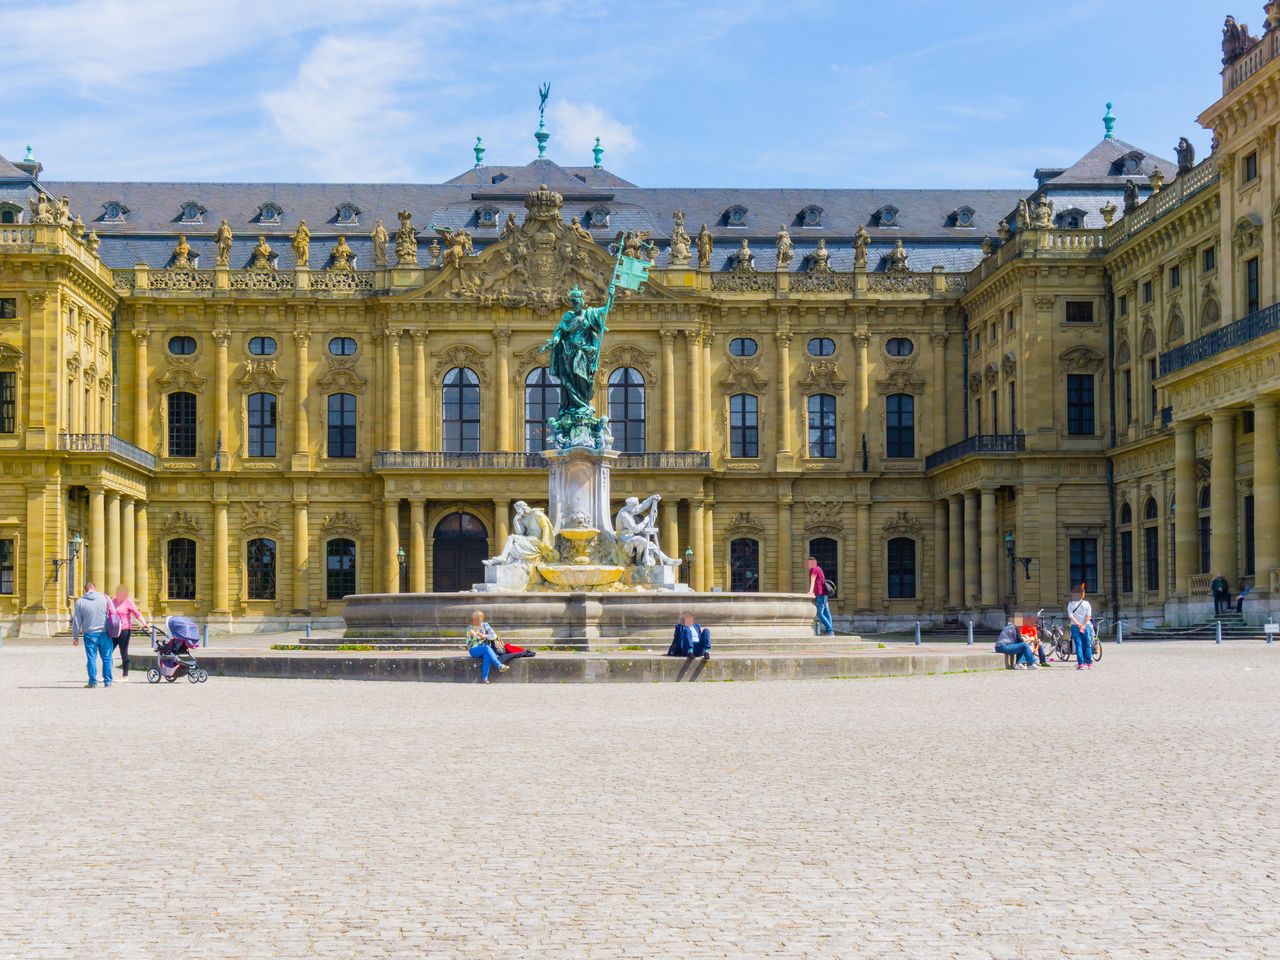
point(1126, 812)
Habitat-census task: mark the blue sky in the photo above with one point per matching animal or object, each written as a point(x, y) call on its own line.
point(838, 93)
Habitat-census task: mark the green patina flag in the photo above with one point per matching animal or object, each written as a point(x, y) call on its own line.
point(631, 273)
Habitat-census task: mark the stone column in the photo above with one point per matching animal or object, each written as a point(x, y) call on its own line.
point(709, 407)
point(97, 552)
point(128, 545)
point(972, 586)
point(786, 559)
point(670, 530)
point(1222, 497)
point(695, 395)
point(668, 392)
point(697, 539)
point(393, 390)
point(420, 397)
point(1185, 505)
point(990, 551)
point(937, 396)
point(221, 404)
point(391, 545)
point(955, 552)
point(502, 365)
point(865, 552)
point(786, 416)
point(141, 568)
point(940, 575)
point(709, 542)
point(301, 370)
point(221, 592)
point(501, 524)
point(1266, 492)
point(862, 392)
point(113, 543)
point(141, 397)
point(418, 546)
point(301, 558)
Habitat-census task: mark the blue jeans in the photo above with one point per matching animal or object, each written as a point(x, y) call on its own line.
point(1084, 644)
point(488, 659)
point(98, 645)
point(824, 615)
point(1021, 649)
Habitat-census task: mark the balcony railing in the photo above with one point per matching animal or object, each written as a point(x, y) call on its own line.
point(503, 460)
point(106, 443)
point(982, 443)
point(1264, 321)
point(1183, 188)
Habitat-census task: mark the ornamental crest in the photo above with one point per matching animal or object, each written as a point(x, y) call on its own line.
point(745, 523)
point(1080, 360)
point(743, 373)
point(339, 522)
point(903, 523)
point(342, 377)
point(261, 375)
point(823, 377)
point(181, 375)
point(181, 523)
point(462, 355)
point(823, 516)
point(901, 381)
point(260, 518)
point(626, 355)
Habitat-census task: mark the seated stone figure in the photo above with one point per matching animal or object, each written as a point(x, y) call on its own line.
point(636, 528)
point(531, 540)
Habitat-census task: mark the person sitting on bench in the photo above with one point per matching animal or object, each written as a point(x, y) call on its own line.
point(690, 640)
point(1011, 644)
point(479, 635)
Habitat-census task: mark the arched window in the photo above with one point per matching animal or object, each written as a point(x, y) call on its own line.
point(458, 552)
point(541, 401)
point(182, 425)
point(822, 426)
point(744, 425)
point(744, 565)
point(626, 409)
point(260, 558)
point(341, 423)
point(181, 569)
point(262, 424)
point(1152, 511)
point(827, 552)
point(902, 568)
point(461, 411)
point(339, 568)
point(1126, 515)
point(900, 425)
point(1202, 526)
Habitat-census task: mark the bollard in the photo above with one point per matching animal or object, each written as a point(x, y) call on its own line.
point(1, 637)
point(917, 633)
point(1269, 634)
point(204, 635)
point(153, 636)
point(1120, 632)
point(971, 633)
point(1217, 624)
point(308, 630)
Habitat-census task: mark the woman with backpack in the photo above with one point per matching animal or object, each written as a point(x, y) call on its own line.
point(818, 590)
point(126, 612)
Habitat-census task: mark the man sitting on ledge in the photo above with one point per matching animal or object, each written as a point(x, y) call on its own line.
point(690, 639)
point(1011, 643)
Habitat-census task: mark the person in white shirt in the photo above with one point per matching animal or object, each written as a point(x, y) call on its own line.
point(1080, 615)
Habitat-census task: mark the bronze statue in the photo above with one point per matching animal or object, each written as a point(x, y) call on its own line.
point(302, 244)
point(575, 357)
point(223, 239)
point(705, 244)
point(861, 241)
point(380, 238)
point(1131, 199)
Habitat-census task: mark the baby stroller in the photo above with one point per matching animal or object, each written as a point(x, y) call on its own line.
point(173, 649)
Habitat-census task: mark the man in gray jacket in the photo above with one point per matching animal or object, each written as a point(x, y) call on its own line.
point(89, 620)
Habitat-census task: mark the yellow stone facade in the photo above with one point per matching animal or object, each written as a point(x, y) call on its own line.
point(1001, 462)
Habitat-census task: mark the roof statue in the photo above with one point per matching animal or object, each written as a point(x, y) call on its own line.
point(262, 255)
point(1109, 123)
point(182, 255)
point(302, 244)
point(820, 259)
point(861, 241)
point(1108, 211)
point(1130, 196)
point(30, 157)
point(705, 244)
point(784, 248)
point(1157, 180)
point(380, 238)
point(744, 259)
point(1235, 40)
point(406, 241)
point(510, 225)
point(1002, 231)
point(898, 259)
point(1022, 219)
point(575, 227)
point(1044, 213)
point(223, 239)
point(1186, 155)
point(678, 254)
point(340, 257)
point(458, 244)
point(541, 134)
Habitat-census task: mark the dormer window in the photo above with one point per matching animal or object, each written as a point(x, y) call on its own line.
point(1129, 164)
point(270, 213)
point(886, 216)
point(348, 214)
point(487, 217)
point(497, 178)
point(962, 217)
point(1072, 219)
point(191, 212)
point(598, 218)
point(736, 216)
point(113, 211)
point(811, 216)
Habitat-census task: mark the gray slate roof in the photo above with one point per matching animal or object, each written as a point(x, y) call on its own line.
point(1100, 166)
point(9, 172)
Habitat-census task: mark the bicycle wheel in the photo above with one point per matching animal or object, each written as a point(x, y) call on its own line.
point(1063, 647)
point(1097, 649)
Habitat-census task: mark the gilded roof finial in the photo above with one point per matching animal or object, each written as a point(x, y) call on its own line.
point(479, 150)
point(598, 152)
point(541, 135)
point(1109, 121)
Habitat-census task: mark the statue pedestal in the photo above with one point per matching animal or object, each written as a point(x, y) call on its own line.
point(578, 488)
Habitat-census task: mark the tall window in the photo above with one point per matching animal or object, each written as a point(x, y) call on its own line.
point(1079, 311)
point(1251, 284)
point(900, 425)
point(1126, 561)
point(995, 412)
point(8, 402)
point(1128, 395)
point(541, 401)
point(1013, 407)
point(1084, 563)
point(6, 566)
point(1204, 530)
point(626, 409)
point(261, 561)
point(1249, 169)
point(822, 426)
point(341, 422)
point(182, 569)
point(827, 552)
point(744, 425)
point(461, 411)
point(262, 425)
point(339, 568)
point(744, 566)
point(182, 425)
point(1080, 404)
point(902, 568)
point(1250, 544)
point(1151, 545)
point(1154, 399)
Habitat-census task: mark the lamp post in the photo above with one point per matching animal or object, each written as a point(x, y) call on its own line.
point(59, 562)
point(688, 562)
point(404, 569)
point(1014, 560)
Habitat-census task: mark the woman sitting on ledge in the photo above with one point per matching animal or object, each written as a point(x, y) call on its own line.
point(479, 635)
point(690, 640)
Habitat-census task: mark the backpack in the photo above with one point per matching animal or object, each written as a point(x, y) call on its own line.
point(114, 626)
point(831, 589)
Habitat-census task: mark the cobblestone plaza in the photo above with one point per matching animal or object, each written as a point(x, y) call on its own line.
point(1121, 813)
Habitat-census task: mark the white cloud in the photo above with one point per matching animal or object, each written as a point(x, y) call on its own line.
point(575, 126)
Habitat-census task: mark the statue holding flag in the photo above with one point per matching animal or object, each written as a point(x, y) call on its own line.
point(575, 356)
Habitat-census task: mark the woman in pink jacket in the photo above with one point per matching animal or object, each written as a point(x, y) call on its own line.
point(127, 611)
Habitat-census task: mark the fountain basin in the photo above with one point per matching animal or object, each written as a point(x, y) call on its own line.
point(584, 576)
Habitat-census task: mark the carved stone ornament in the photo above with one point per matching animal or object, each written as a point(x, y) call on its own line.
point(627, 355)
point(180, 523)
point(901, 381)
point(742, 374)
point(823, 377)
point(1248, 234)
point(341, 377)
point(823, 516)
point(1008, 365)
point(535, 264)
point(1080, 360)
point(261, 375)
point(339, 522)
point(975, 382)
point(991, 374)
point(406, 241)
point(902, 524)
point(181, 375)
point(261, 518)
point(680, 251)
point(744, 524)
point(462, 355)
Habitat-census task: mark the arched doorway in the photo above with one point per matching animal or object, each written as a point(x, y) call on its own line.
point(459, 549)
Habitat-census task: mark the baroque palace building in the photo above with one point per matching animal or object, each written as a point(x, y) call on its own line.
point(247, 401)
